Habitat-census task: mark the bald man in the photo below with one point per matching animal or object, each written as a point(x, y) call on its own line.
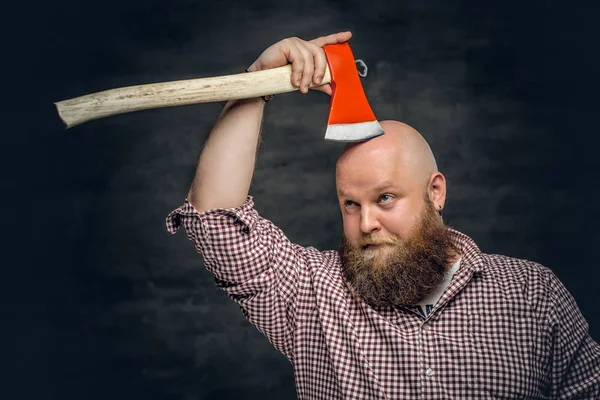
point(407, 308)
point(396, 250)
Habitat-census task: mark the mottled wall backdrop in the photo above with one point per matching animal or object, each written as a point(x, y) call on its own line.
point(107, 305)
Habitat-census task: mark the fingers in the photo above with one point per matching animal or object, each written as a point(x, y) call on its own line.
point(334, 38)
point(303, 56)
point(294, 56)
point(309, 68)
point(301, 62)
point(305, 71)
point(314, 63)
point(307, 57)
point(320, 62)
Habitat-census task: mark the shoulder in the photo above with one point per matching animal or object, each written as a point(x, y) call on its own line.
point(516, 269)
point(502, 272)
point(529, 280)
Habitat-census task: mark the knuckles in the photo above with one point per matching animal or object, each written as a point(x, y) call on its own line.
point(307, 56)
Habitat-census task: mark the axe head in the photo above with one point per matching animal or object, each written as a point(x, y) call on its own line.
point(350, 116)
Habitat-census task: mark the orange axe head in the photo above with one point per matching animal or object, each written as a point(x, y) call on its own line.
point(350, 116)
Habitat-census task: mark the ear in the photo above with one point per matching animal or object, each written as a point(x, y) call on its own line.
point(436, 190)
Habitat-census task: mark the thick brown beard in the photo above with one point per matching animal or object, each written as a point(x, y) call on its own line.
point(409, 271)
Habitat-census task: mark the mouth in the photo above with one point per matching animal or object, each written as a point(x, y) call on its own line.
point(371, 246)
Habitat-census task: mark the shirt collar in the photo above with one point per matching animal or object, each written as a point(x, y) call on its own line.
point(472, 258)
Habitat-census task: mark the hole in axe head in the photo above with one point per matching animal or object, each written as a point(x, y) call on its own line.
point(362, 68)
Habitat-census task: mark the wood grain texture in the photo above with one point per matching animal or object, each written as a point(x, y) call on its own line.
point(177, 93)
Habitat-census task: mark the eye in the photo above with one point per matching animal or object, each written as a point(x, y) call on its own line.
point(385, 198)
point(348, 203)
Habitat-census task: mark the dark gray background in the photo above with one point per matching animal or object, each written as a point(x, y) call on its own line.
point(100, 302)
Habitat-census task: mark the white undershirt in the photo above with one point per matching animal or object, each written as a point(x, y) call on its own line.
point(426, 305)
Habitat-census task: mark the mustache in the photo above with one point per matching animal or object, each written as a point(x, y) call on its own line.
point(374, 241)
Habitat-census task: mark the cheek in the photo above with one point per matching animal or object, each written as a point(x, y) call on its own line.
point(398, 226)
point(351, 229)
point(401, 223)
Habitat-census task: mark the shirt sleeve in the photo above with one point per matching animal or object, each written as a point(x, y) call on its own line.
point(575, 362)
point(252, 261)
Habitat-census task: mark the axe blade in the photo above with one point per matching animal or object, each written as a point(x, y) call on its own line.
point(350, 116)
point(355, 132)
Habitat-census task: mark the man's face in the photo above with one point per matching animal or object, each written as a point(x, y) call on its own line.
point(395, 248)
point(378, 197)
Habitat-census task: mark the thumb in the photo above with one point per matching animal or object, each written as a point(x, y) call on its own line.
point(326, 88)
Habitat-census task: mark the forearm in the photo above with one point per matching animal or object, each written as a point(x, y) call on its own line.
point(226, 164)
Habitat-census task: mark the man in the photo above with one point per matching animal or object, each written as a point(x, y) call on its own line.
point(407, 308)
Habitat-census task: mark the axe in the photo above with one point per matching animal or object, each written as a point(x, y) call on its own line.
point(350, 116)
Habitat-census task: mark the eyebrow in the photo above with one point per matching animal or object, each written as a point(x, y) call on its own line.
point(380, 188)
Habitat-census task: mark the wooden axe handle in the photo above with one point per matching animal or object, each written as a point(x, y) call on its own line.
point(177, 93)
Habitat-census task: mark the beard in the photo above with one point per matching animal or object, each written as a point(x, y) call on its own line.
point(400, 272)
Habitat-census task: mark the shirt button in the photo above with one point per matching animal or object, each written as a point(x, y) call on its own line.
point(429, 372)
point(426, 327)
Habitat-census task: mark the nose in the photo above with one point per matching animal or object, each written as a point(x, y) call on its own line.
point(369, 221)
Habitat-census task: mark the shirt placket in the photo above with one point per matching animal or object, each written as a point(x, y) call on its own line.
point(427, 366)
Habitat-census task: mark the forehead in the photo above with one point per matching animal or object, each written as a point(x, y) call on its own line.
point(372, 171)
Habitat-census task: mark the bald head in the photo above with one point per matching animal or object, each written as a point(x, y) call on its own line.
point(386, 185)
point(401, 148)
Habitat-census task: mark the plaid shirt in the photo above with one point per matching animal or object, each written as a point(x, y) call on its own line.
point(504, 328)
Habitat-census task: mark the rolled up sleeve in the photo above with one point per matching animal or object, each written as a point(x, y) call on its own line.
point(252, 261)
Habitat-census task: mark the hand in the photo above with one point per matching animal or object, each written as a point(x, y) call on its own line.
point(307, 58)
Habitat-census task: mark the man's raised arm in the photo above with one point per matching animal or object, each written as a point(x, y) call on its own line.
point(251, 259)
point(226, 165)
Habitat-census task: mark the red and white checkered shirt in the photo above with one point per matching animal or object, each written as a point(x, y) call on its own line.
point(504, 328)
